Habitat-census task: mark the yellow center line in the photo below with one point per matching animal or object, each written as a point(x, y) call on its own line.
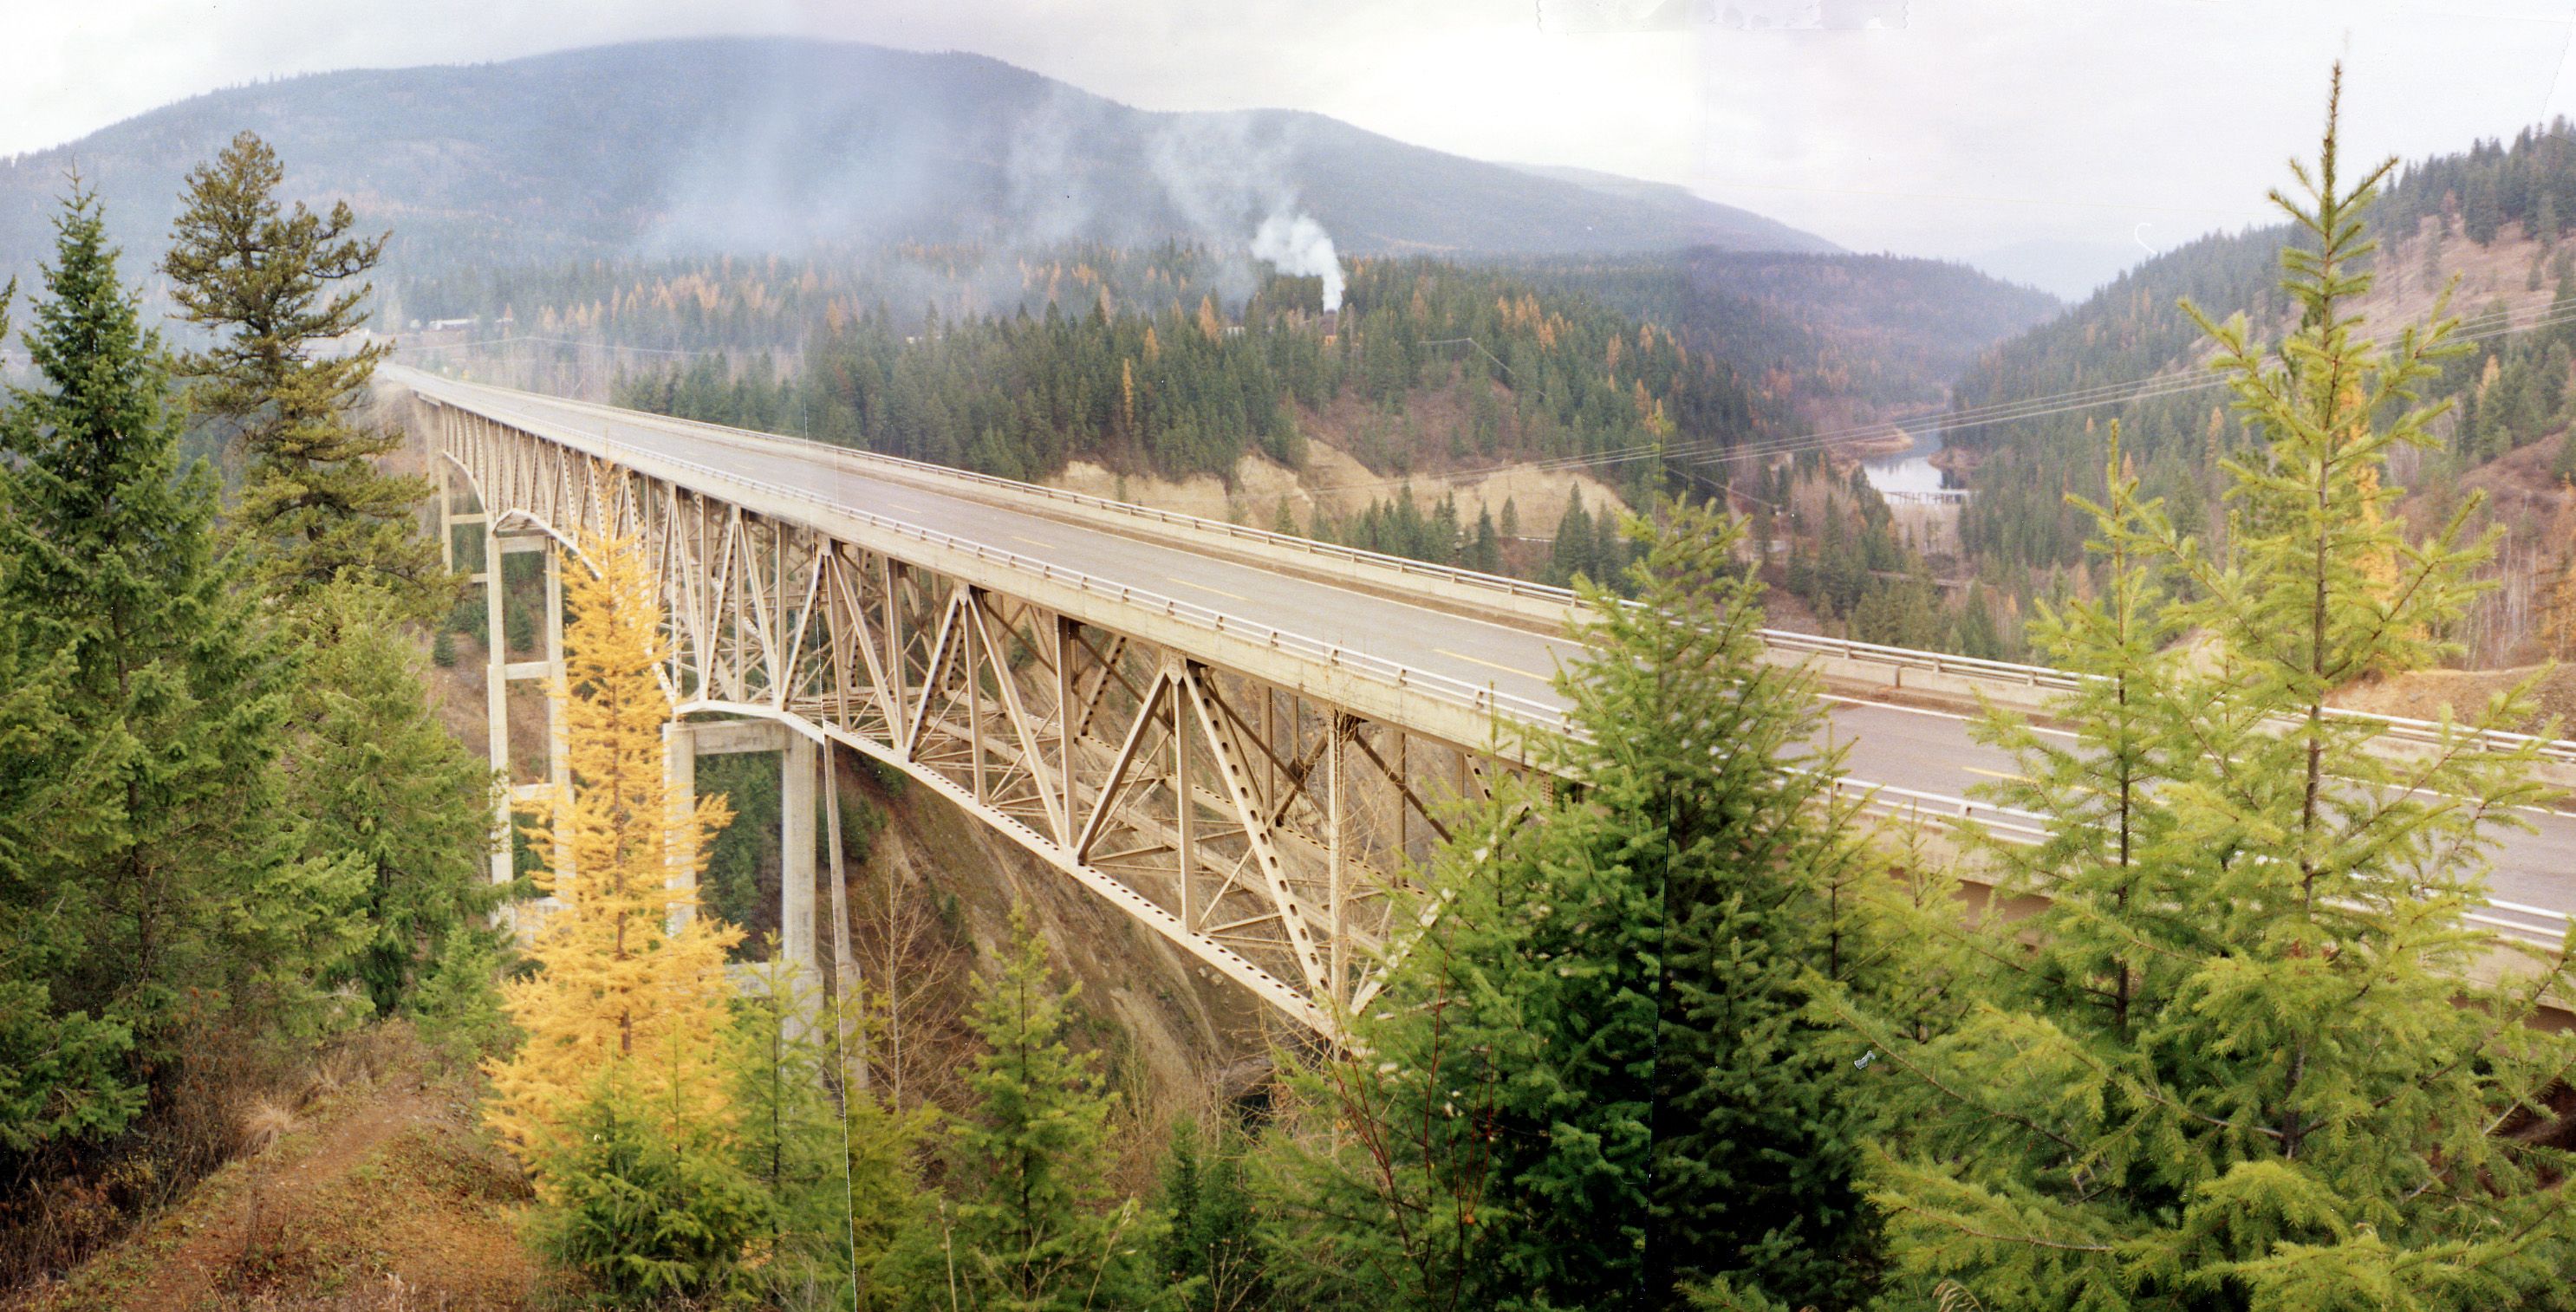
point(1205, 588)
point(1476, 660)
point(1996, 774)
point(1032, 541)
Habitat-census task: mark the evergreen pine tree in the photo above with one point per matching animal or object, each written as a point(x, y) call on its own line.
point(789, 1139)
point(1033, 1223)
point(1570, 555)
point(651, 1210)
point(1609, 552)
point(1211, 1256)
point(2250, 1063)
point(272, 285)
point(1758, 1113)
point(179, 901)
point(62, 1073)
point(380, 777)
point(1589, 1082)
point(458, 1004)
point(1485, 550)
point(882, 1186)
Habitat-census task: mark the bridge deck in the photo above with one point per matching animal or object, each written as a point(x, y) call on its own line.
point(1919, 750)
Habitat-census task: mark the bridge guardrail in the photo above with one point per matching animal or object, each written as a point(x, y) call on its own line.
point(2422, 732)
point(1128, 509)
point(2414, 732)
point(1891, 802)
point(1490, 700)
point(2418, 732)
point(2026, 828)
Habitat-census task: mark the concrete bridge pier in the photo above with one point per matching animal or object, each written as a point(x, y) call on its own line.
point(499, 671)
point(686, 741)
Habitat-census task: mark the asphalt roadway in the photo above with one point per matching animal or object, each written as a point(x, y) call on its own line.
point(1903, 747)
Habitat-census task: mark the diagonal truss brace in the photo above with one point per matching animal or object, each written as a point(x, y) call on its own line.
point(1232, 772)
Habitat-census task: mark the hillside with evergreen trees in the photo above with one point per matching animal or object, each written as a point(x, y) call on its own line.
point(1156, 362)
point(1430, 367)
point(2489, 226)
point(1841, 339)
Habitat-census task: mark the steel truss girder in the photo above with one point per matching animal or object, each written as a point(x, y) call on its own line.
point(1255, 825)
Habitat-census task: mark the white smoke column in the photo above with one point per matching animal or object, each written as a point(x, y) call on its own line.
point(1301, 247)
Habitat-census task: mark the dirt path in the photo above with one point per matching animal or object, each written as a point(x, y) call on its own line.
point(383, 1199)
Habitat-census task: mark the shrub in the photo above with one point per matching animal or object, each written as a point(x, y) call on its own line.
point(459, 1004)
point(645, 1216)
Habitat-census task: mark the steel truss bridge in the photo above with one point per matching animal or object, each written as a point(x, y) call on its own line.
point(1241, 739)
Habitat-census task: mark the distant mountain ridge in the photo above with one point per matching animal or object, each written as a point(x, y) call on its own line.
point(740, 145)
point(1753, 231)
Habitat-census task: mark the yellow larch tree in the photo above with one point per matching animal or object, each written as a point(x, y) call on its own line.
point(618, 991)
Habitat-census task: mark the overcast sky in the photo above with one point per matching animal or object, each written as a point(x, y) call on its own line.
point(2047, 139)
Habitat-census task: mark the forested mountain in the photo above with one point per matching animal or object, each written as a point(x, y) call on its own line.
point(741, 306)
point(2490, 225)
point(1137, 361)
point(2131, 330)
point(1748, 231)
point(1162, 385)
point(740, 145)
point(1824, 339)
point(1839, 338)
point(1429, 369)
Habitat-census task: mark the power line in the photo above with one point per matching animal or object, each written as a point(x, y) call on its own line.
point(1717, 451)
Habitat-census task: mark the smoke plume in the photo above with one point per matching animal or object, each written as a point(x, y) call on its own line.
point(1301, 247)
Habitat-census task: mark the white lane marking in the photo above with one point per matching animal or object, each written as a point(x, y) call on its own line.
point(1491, 665)
point(1205, 588)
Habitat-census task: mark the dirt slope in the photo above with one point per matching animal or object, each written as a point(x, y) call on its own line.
point(378, 1195)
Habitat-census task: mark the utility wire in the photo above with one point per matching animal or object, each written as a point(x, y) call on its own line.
point(1716, 451)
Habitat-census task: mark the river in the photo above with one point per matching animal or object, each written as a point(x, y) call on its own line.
point(1910, 470)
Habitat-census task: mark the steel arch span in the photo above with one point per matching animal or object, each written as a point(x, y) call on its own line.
point(1254, 797)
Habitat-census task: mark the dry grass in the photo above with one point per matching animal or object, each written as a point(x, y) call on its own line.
point(2431, 694)
point(1348, 444)
point(370, 1186)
